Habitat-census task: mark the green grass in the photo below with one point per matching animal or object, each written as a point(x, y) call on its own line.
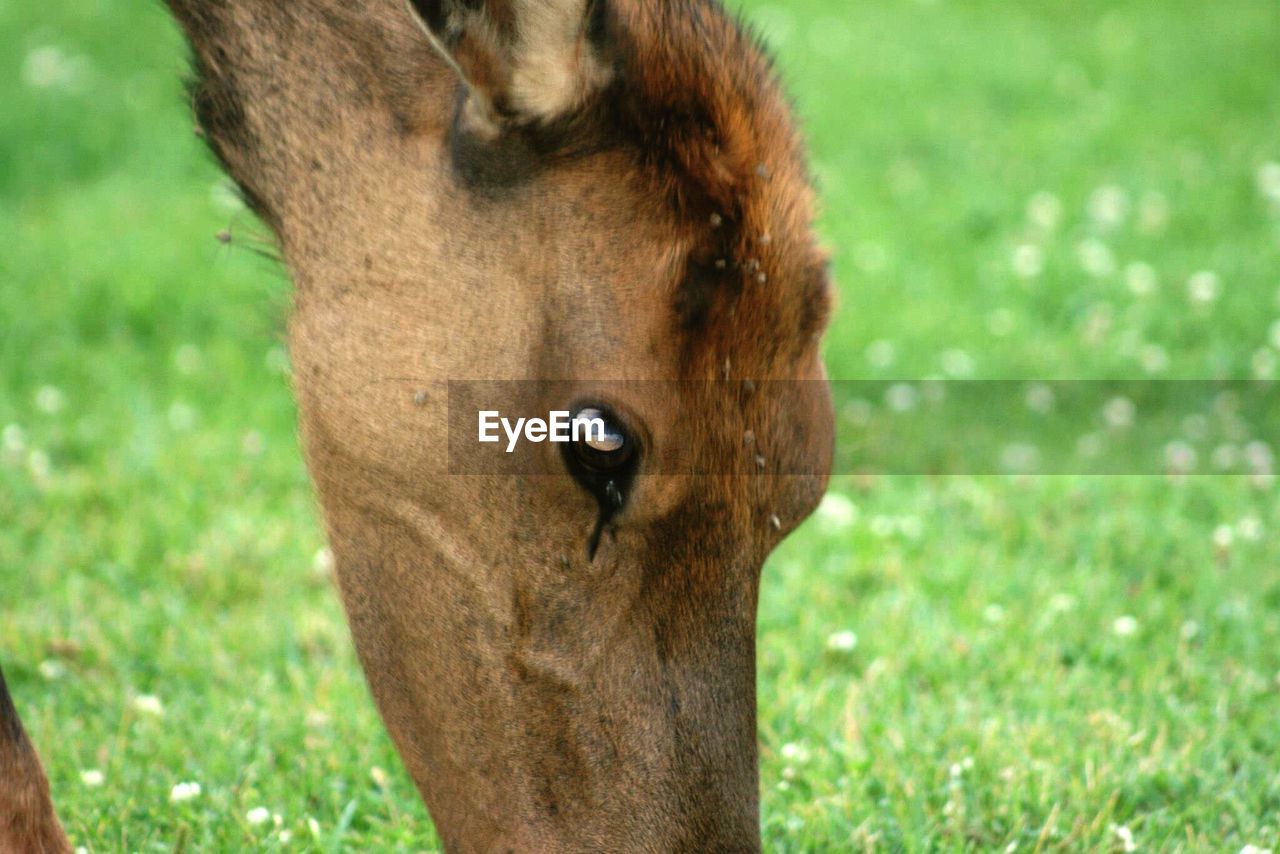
point(158, 536)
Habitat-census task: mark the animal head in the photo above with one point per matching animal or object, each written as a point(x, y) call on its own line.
point(607, 194)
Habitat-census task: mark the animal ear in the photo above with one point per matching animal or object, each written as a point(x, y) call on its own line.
point(524, 61)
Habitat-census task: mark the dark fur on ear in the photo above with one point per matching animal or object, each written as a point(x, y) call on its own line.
point(27, 820)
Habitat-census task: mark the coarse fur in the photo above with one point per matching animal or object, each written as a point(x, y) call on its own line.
point(587, 191)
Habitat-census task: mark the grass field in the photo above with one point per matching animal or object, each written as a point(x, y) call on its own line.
point(1028, 189)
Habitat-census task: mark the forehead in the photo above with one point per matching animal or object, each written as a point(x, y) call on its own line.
point(699, 102)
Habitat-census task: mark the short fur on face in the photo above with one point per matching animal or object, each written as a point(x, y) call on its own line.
point(578, 190)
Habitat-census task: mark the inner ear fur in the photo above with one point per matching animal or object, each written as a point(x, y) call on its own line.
point(523, 61)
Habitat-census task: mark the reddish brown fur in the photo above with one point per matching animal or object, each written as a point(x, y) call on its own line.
point(705, 110)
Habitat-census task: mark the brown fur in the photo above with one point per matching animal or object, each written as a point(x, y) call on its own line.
point(616, 194)
point(28, 824)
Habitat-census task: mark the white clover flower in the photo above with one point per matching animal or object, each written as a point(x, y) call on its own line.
point(1019, 458)
point(795, 752)
point(1061, 603)
point(257, 816)
point(284, 836)
point(1096, 257)
point(187, 359)
point(52, 670)
point(322, 563)
point(253, 444)
point(1141, 278)
point(50, 399)
point(1045, 210)
point(933, 390)
point(1108, 206)
point(92, 777)
point(1028, 261)
point(1039, 398)
point(1259, 458)
point(1119, 413)
point(1263, 363)
point(1125, 626)
point(1204, 287)
point(1154, 359)
point(882, 526)
point(1269, 180)
point(880, 354)
point(1125, 836)
point(50, 67)
point(182, 416)
point(1190, 630)
point(902, 397)
point(39, 464)
point(837, 511)
point(14, 439)
point(182, 792)
point(993, 613)
point(148, 704)
point(843, 641)
point(1250, 528)
point(1254, 849)
point(1180, 457)
point(1223, 536)
point(957, 363)
point(1097, 323)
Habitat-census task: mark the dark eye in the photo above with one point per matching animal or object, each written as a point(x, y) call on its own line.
point(600, 442)
point(602, 456)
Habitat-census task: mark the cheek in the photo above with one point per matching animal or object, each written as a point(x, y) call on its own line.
point(361, 397)
point(807, 454)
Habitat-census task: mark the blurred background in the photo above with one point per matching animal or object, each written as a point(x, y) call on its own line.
point(1012, 189)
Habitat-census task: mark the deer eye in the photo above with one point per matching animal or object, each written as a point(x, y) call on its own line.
point(602, 456)
point(600, 442)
